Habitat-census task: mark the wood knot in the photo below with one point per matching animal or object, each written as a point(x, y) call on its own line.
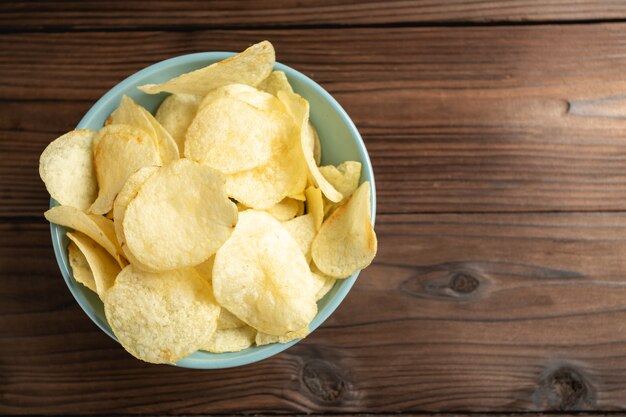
point(463, 283)
point(323, 380)
point(565, 389)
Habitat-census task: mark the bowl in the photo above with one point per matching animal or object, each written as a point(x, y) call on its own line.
point(340, 142)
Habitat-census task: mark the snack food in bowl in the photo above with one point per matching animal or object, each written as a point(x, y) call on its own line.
point(217, 214)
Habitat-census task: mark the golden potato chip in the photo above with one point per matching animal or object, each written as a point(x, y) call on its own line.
point(103, 267)
point(265, 339)
point(315, 206)
point(249, 95)
point(125, 196)
point(132, 114)
point(161, 317)
point(347, 241)
point(302, 230)
point(205, 269)
point(287, 209)
point(96, 227)
point(317, 146)
point(324, 282)
point(275, 82)
point(180, 216)
point(345, 178)
point(261, 276)
point(232, 136)
point(66, 168)
point(299, 110)
point(175, 114)
point(231, 340)
point(228, 320)
point(80, 268)
point(119, 151)
point(249, 67)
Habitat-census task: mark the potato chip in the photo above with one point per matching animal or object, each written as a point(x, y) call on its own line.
point(347, 241)
point(205, 269)
point(232, 136)
point(119, 151)
point(249, 67)
point(265, 339)
point(287, 209)
point(249, 95)
point(132, 114)
point(161, 317)
point(125, 196)
point(231, 340)
point(66, 168)
point(80, 267)
point(275, 82)
point(299, 110)
point(180, 216)
point(317, 146)
point(345, 178)
point(302, 230)
point(261, 276)
point(103, 267)
point(98, 228)
point(228, 320)
point(315, 206)
point(175, 114)
point(324, 282)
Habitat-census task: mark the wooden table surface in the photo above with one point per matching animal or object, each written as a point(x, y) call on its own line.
point(497, 131)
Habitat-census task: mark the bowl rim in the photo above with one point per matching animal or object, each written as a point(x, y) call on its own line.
point(245, 356)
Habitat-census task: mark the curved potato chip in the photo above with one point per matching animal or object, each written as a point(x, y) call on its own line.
point(299, 110)
point(205, 269)
point(132, 114)
point(80, 267)
point(125, 196)
point(228, 320)
point(231, 340)
point(180, 216)
point(250, 67)
point(249, 95)
point(102, 265)
point(265, 339)
point(175, 114)
point(315, 205)
point(262, 277)
point(275, 82)
point(324, 282)
point(66, 168)
point(345, 178)
point(161, 317)
point(119, 151)
point(96, 227)
point(347, 241)
point(317, 146)
point(287, 209)
point(302, 230)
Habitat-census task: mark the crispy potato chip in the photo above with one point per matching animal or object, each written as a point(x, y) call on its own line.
point(66, 168)
point(265, 339)
point(249, 67)
point(119, 151)
point(161, 317)
point(275, 82)
point(262, 277)
point(175, 114)
point(299, 110)
point(125, 196)
point(315, 206)
point(80, 267)
point(287, 209)
point(228, 320)
point(232, 136)
point(231, 340)
point(205, 269)
point(345, 178)
point(103, 267)
point(302, 230)
point(96, 227)
point(132, 114)
point(180, 216)
point(324, 282)
point(347, 241)
point(249, 95)
point(317, 146)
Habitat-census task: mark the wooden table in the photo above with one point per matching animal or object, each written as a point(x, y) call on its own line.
point(497, 131)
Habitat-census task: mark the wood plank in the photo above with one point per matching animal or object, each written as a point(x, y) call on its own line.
point(468, 312)
point(455, 119)
point(116, 14)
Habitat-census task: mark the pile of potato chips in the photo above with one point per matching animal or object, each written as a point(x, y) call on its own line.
point(210, 225)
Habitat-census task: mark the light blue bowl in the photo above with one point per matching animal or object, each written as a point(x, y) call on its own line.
point(340, 142)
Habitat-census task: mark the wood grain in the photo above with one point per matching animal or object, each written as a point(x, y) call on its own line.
point(497, 119)
point(118, 14)
point(460, 312)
